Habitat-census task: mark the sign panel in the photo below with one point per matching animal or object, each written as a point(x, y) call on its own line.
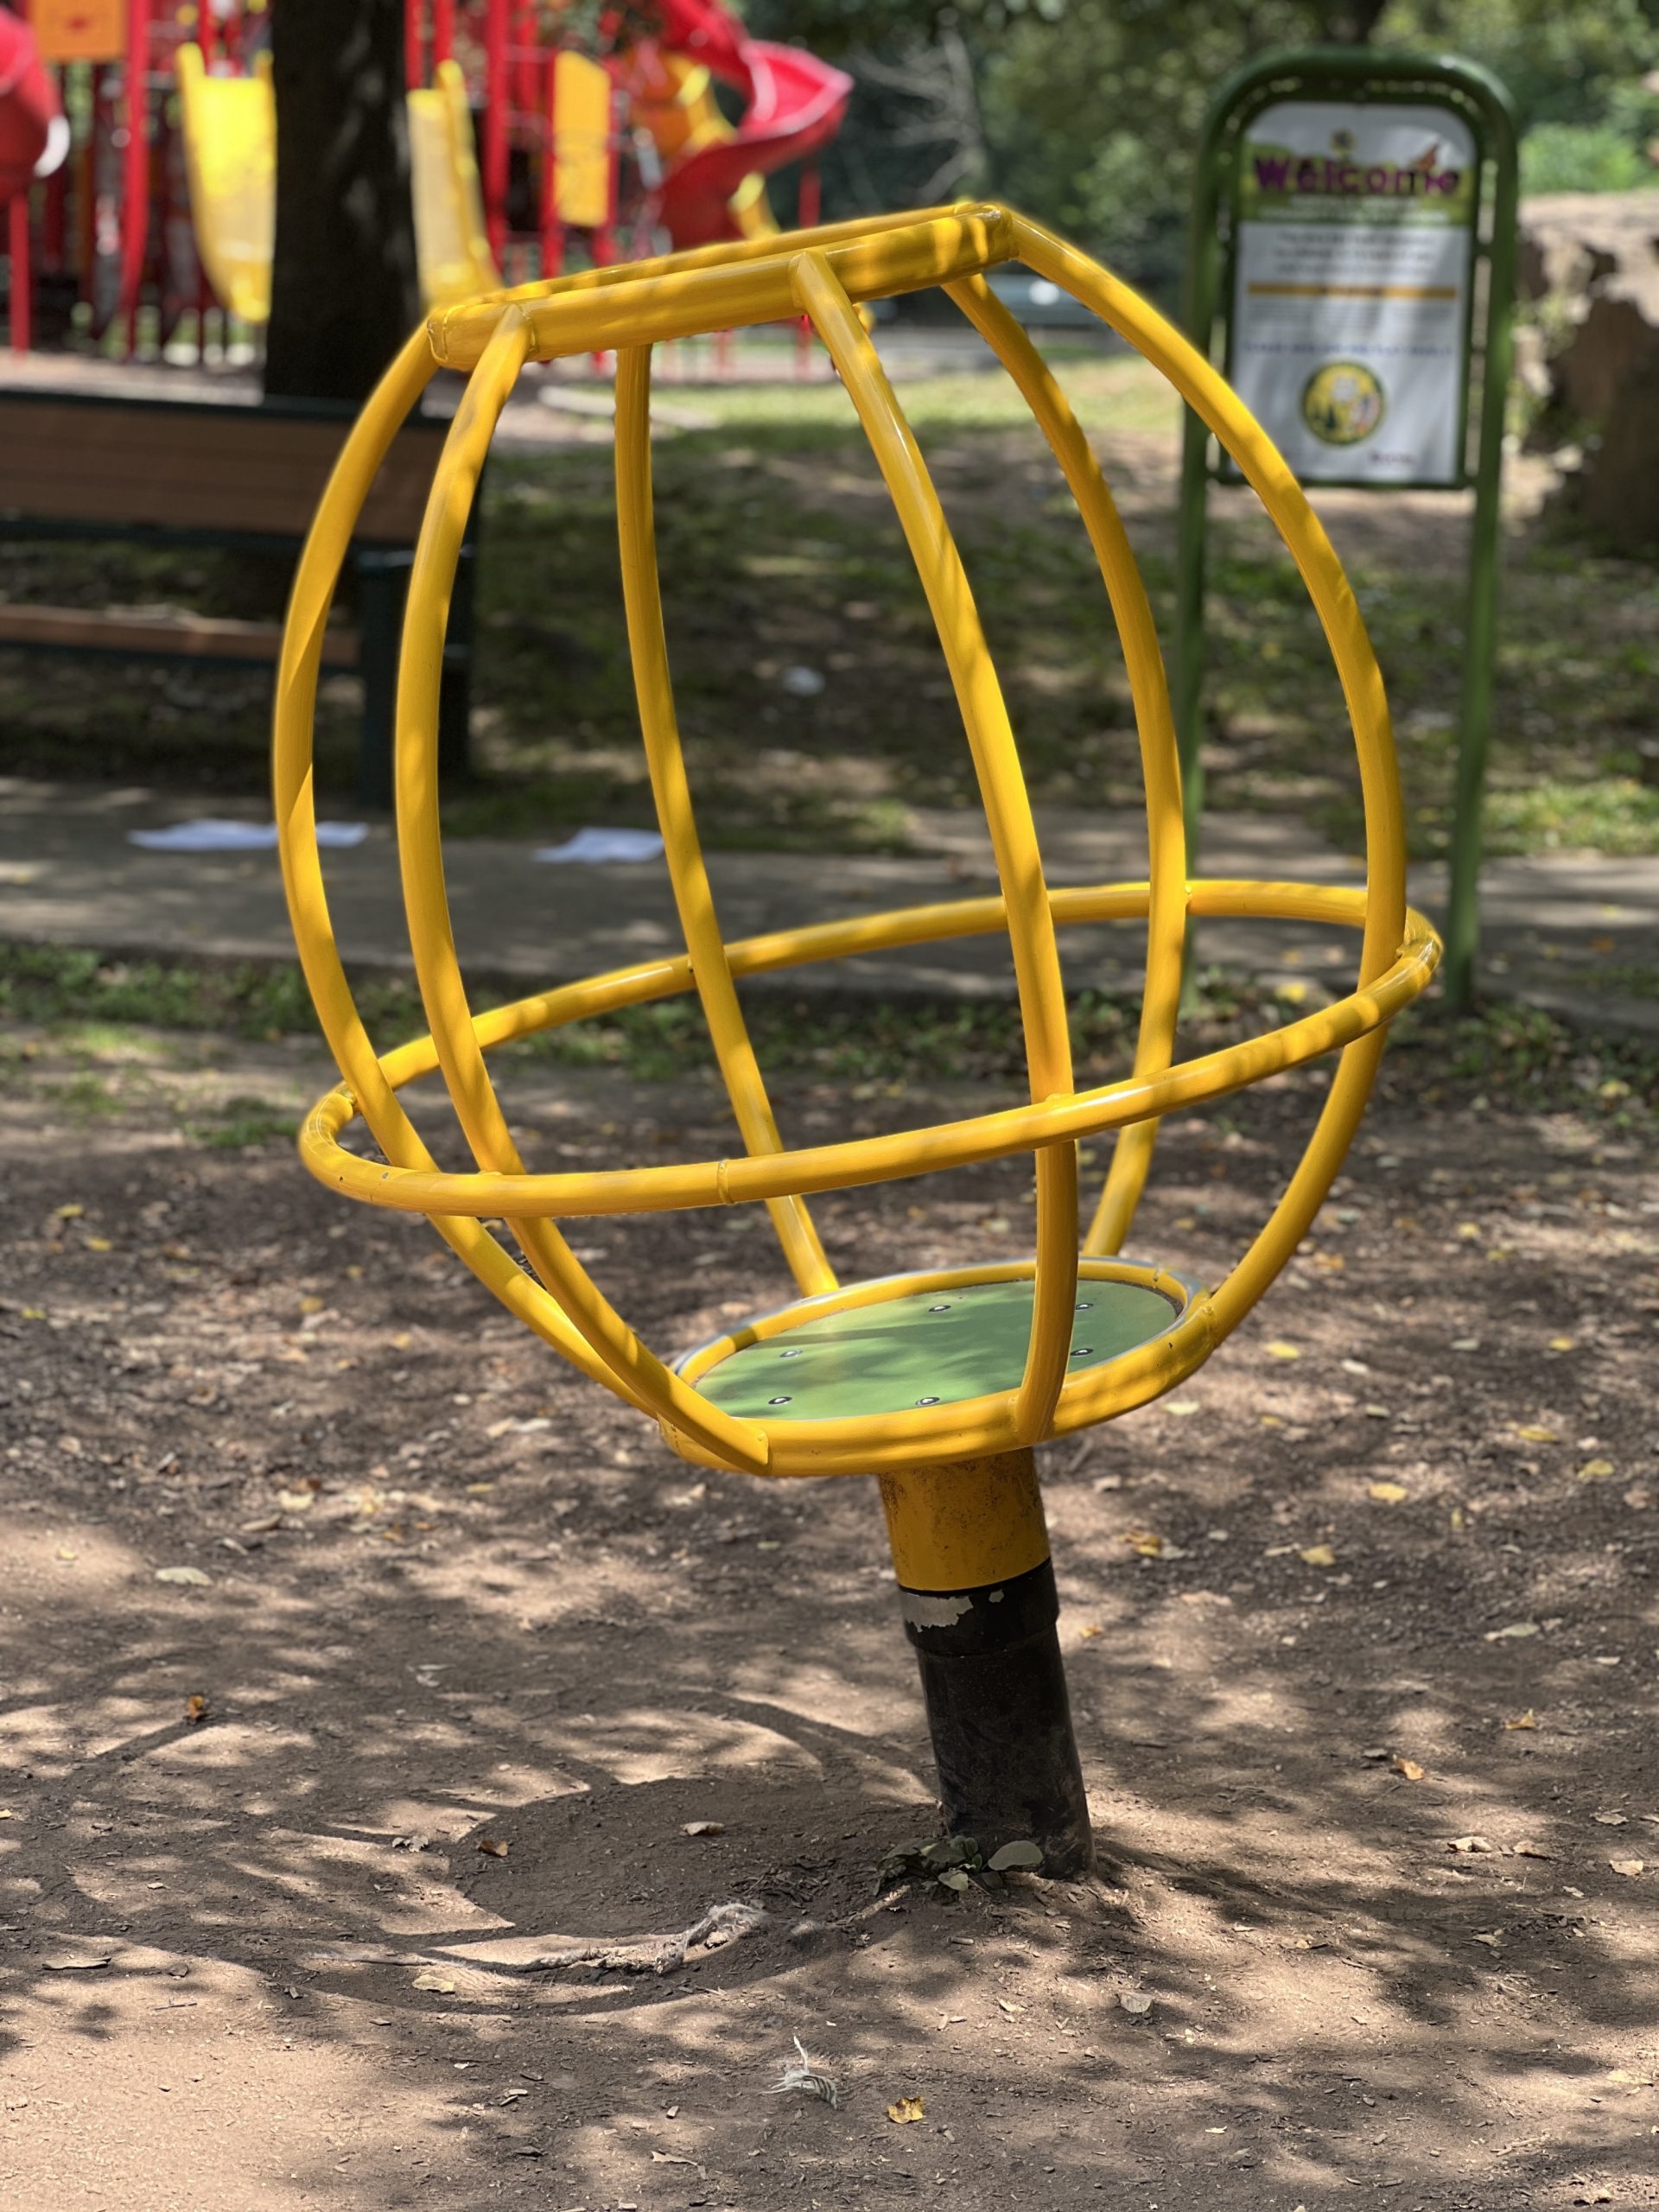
point(1353, 246)
point(78, 30)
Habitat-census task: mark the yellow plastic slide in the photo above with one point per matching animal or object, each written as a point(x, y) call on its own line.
point(450, 240)
point(230, 153)
point(229, 144)
point(681, 116)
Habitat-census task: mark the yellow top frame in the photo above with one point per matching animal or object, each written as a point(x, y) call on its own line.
point(825, 273)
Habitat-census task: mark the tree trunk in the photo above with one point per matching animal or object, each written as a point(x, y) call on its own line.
point(345, 290)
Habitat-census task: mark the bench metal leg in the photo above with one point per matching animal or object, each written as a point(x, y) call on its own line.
point(971, 1550)
point(455, 684)
point(381, 585)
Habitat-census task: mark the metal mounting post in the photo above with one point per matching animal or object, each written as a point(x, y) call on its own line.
point(970, 1551)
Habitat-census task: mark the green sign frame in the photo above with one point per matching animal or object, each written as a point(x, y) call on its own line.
point(1354, 76)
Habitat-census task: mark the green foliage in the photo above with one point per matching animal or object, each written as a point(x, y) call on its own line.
point(955, 1863)
point(1089, 111)
point(1582, 157)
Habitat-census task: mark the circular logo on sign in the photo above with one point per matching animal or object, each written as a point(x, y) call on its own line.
point(1343, 403)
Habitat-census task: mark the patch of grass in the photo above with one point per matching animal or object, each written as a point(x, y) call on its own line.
point(79, 993)
point(243, 1123)
point(1514, 1054)
point(1607, 814)
point(1520, 1057)
point(779, 548)
point(84, 1097)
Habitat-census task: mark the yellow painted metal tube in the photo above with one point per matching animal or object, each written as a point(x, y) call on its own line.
point(729, 253)
point(1266, 471)
point(1007, 813)
point(1160, 768)
point(369, 1090)
point(431, 937)
point(732, 292)
point(665, 760)
point(887, 1158)
point(470, 331)
point(965, 1523)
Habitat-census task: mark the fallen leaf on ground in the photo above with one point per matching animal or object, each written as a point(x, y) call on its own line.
point(1595, 1470)
point(1514, 1629)
point(1133, 2002)
point(906, 2108)
point(1629, 1867)
point(296, 1500)
point(492, 1847)
point(1145, 1542)
point(74, 1965)
point(1475, 1843)
point(1533, 1434)
point(1091, 1628)
point(439, 1982)
point(1529, 1851)
point(1278, 1348)
point(703, 1828)
point(1611, 1819)
point(1561, 1344)
point(1318, 1555)
point(1014, 1855)
point(192, 1575)
point(1409, 1768)
point(1527, 1720)
point(195, 1707)
point(1388, 1493)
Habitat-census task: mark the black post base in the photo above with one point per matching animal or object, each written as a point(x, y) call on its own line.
point(999, 1717)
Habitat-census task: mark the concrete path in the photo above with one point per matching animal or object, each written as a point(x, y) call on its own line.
point(1572, 932)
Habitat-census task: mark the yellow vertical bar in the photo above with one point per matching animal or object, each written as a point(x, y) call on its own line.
point(1160, 757)
point(653, 686)
point(295, 799)
point(426, 902)
point(1265, 470)
point(1007, 811)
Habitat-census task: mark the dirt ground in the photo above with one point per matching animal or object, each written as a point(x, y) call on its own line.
point(447, 1595)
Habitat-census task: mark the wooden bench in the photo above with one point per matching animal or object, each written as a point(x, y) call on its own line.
point(203, 473)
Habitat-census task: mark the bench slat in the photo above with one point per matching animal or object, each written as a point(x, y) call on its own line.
point(149, 465)
point(183, 637)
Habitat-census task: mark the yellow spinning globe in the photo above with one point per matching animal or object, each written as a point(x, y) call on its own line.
point(898, 1376)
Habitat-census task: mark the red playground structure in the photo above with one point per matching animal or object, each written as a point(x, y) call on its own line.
point(136, 182)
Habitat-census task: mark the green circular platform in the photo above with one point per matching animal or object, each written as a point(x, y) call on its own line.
point(930, 1348)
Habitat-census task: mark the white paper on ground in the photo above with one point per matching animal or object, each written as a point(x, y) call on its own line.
point(594, 846)
point(206, 835)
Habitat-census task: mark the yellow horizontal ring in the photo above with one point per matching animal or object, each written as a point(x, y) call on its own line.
point(871, 1160)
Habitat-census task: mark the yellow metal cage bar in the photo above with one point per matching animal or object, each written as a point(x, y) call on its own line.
point(827, 271)
point(369, 1090)
point(626, 1359)
point(1160, 757)
point(1007, 813)
point(665, 758)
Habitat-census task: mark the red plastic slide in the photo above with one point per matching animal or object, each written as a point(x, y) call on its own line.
point(28, 106)
point(795, 105)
